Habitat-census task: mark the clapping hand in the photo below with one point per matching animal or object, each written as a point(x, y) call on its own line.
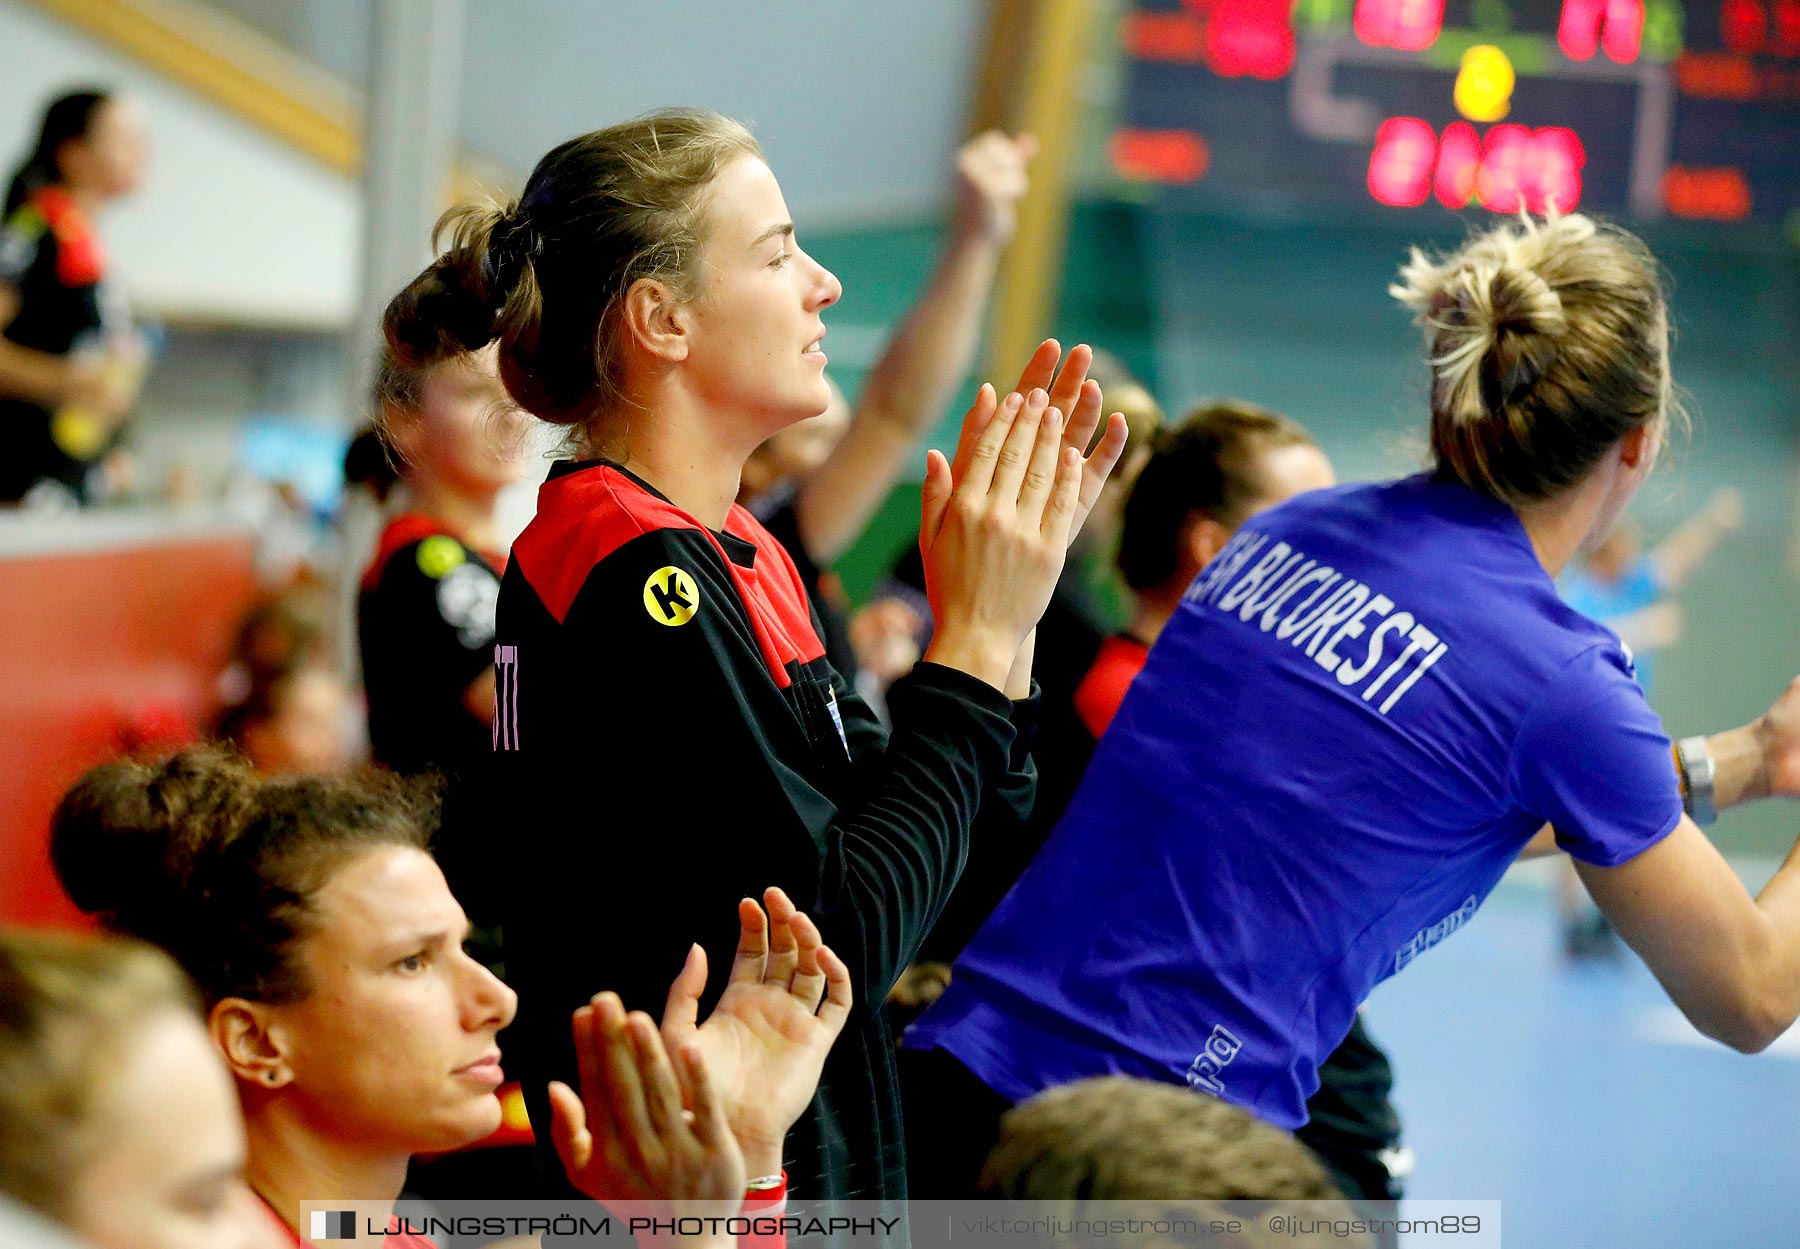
point(627, 1137)
point(684, 1114)
point(1072, 393)
point(765, 1042)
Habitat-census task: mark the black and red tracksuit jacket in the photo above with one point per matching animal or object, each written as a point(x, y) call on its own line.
point(671, 739)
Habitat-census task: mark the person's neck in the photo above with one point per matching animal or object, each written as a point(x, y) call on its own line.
point(1559, 526)
point(290, 1163)
point(1155, 607)
point(1154, 610)
point(683, 448)
point(87, 201)
point(467, 514)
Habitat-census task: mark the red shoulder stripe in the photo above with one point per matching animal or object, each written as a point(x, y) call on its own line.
point(585, 516)
point(582, 518)
point(401, 532)
point(784, 622)
point(80, 259)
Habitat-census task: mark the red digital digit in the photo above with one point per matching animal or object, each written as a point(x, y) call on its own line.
point(1578, 30)
point(1787, 27)
point(1178, 37)
point(1743, 25)
point(1372, 21)
point(1459, 156)
point(1586, 26)
point(1508, 169)
point(1400, 167)
point(1554, 171)
point(1500, 183)
point(1174, 156)
point(1250, 38)
point(1623, 33)
point(1720, 193)
point(1407, 24)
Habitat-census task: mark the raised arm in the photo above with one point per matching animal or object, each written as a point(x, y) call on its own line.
point(925, 362)
point(1677, 557)
point(1731, 962)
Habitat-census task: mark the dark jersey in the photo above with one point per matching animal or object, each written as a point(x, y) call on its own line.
point(673, 741)
point(50, 256)
point(778, 516)
point(426, 624)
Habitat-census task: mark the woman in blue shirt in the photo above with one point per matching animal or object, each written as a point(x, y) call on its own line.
point(1365, 708)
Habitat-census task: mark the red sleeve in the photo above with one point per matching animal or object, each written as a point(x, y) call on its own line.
point(765, 1204)
point(1101, 691)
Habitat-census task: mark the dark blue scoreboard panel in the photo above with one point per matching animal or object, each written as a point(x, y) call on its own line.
point(1646, 108)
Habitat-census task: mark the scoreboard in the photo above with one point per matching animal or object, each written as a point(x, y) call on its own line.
point(1647, 108)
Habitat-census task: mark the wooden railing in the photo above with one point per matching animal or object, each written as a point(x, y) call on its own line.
point(249, 75)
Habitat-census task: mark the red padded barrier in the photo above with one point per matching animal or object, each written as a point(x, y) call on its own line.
point(104, 650)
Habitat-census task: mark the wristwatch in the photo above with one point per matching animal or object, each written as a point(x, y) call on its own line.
point(1697, 772)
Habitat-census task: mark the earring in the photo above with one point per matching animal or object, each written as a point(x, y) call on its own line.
point(268, 1077)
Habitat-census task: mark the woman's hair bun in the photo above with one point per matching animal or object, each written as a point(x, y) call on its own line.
point(127, 839)
point(1548, 343)
point(457, 304)
point(1495, 327)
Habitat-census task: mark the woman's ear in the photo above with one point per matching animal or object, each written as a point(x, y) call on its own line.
point(656, 320)
point(1641, 445)
point(247, 1035)
point(1205, 538)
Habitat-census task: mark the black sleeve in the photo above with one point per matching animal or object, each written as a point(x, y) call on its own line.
point(1000, 831)
point(1016, 790)
point(1004, 841)
point(680, 780)
point(437, 599)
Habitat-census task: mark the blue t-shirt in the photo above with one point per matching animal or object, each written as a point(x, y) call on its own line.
point(1610, 601)
point(1363, 709)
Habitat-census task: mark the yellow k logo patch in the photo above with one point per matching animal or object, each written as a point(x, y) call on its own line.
point(671, 597)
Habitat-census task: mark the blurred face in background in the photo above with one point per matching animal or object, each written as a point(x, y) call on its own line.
point(306, 728)
point(394, 1046)
point(1613, 556)
point(467, 435)
point(1277, 474)
point(109, 160)
point(167, 1171)
point(1283, 472)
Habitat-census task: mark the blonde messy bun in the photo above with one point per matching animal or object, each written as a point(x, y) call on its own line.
point(1548, 343)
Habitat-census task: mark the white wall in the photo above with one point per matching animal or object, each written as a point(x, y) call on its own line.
point(230, 226)
point(859, 105)
point(859, 102)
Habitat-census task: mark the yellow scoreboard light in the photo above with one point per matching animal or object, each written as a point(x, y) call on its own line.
point(1484, 84)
